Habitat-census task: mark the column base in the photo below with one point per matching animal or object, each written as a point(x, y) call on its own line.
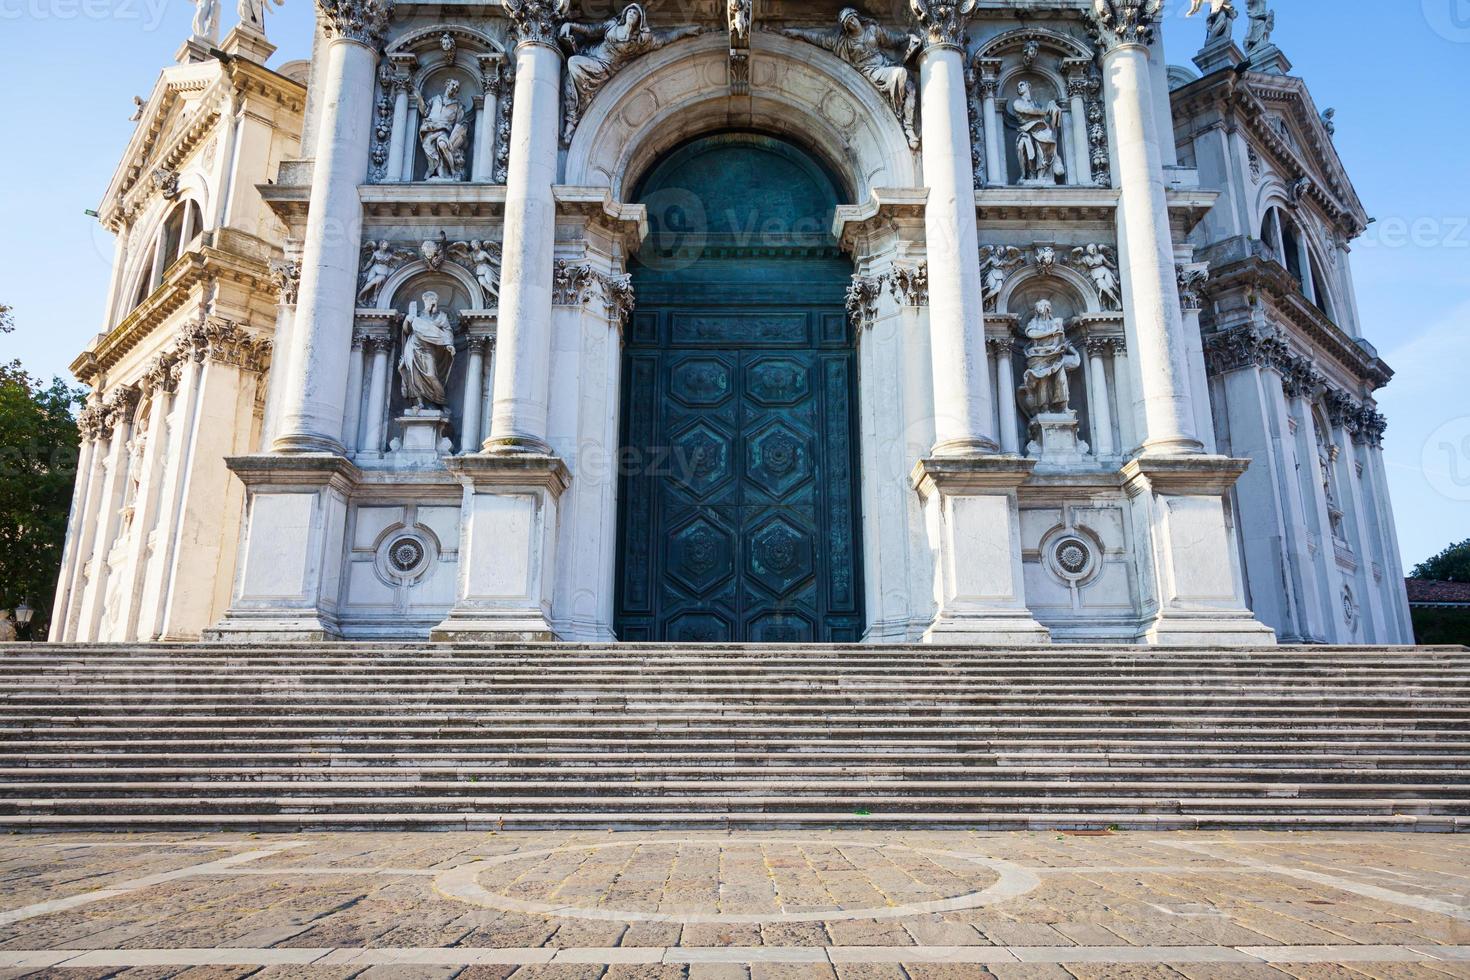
point(507, 548)
point(973, 520)
point(239, 627)
point(1189, 569)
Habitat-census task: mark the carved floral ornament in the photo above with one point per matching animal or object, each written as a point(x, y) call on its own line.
point(537, 21)
point(363, 21)
point(573, 284)
point(943, 21)
point(1118, 23)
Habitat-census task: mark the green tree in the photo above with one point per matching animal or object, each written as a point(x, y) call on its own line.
point(38, 458)
point(1450, 565)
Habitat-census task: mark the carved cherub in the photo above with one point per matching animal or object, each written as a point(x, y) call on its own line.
point(484, 257)
point(1101, 266)
point(996, 263)
point(434, 251)
point(381, 257)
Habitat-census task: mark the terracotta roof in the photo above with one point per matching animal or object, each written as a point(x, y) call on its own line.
point(1426, 591)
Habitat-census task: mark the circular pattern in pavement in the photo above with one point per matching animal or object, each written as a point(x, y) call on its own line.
point(718, 881)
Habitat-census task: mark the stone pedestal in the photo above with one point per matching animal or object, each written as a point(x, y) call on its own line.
point(248, 43)
point(289, 570)
point(507, 548)
point(193, 51)
point(422, 438)
point(1192, 593)
point(1270, 59)
point(1220, 53)
point(1054, 443)
point(973, 520)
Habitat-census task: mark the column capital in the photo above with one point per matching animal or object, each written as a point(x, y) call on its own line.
point(1120, 24)
point(537, 21)
point(363, 21)
point(943, 21)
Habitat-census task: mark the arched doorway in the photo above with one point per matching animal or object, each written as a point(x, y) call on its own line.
point(738, 511)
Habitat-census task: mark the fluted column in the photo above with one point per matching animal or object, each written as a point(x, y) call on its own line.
point(313, 400)
point(956, 319)
point(523, 363)
point(1144, 236)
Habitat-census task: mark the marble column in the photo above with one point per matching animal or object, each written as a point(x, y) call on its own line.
point(109, 516)
point(994, 152)
point(1144, 235)
point(83, 520)
point(482, 162)
point(373, 436)
point(474, 397)
point(313, 401)
point(1005, 385)
point(401, 77)
point(1097, 403)
point(352, 419)
point(1077, 89)
point(183, 420)
point(523, 363)
point(956, 318)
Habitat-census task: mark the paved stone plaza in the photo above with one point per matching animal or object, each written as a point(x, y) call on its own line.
point(712, 906)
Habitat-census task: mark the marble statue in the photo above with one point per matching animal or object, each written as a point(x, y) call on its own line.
point(252, 13)
point(428, 353)
point(597, 52)
point(1045, 388)
point(140, 106)
point(381, 257)
point(1263, 23)
point(1101, 266)
point(1036, 146)
point(879, 53)
point(1220, 24)
point(737, 14)
point(484, 257)
point(443, 133)
point(996, 263)
point(206, 20)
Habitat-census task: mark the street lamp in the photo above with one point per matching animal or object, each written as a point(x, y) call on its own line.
point(23, 613)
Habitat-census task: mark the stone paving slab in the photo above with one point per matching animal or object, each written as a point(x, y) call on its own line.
point(720, 906)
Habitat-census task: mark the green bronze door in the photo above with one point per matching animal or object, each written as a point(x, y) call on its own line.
point(738, 513)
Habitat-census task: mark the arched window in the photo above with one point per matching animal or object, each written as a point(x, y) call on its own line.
point(181, 226)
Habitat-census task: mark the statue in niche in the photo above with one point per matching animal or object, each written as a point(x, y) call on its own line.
point(252, 13)
point(428, 353)
point(1101, 267)
point(1220, 24)
point(597, 52)
point(1263, 24)
point(1045, 389)
point(206, 20)
point(1036, 146)
point(443, 133)
point(879, 53)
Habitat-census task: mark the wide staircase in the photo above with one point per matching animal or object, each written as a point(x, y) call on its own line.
point(453, 737)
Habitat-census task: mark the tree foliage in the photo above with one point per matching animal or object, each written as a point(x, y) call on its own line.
point(1450, 565)
point(38, 460)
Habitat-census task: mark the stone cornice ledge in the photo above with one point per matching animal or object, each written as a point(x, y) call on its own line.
point(962, 474)
point(1185, 475)
point(627, 222)
point(885, 206)
point(481, 471)
point(311, 470)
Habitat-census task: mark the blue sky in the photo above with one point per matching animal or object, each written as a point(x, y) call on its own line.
point(1394, 70)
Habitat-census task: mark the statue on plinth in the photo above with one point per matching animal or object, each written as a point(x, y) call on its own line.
point(1220, 24)
point(428, 354)
point(1045, 389)
point(443, 133)
point(1036, 146)
point(252, 13)
point(206, 20)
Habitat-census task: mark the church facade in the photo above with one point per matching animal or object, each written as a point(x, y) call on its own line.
point(753, 322)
